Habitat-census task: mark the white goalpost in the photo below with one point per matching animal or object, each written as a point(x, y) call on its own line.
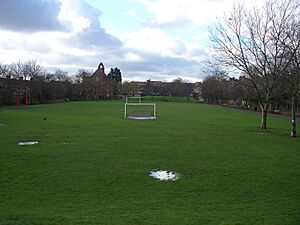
point(140, 111)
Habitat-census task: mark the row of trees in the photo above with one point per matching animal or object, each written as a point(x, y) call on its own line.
point(263, 44)
point(26, 70)
point(46, 87)
point(177, 88)
point(59, 85)
point(221, 89)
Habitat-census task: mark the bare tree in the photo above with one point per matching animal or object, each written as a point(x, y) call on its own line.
point(26, 70)
point(31, 69)
point(16, 70)
point(293, 70)
point(4, 70)
point(130, 88)
point(61, 75)
point(251, 42)
point(81, 74)
point(214, 89)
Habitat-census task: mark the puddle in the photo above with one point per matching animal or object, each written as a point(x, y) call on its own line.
point(28, 143)
point(164, 175)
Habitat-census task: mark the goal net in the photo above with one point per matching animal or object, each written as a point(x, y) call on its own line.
point(134, 99)
point(140, 111)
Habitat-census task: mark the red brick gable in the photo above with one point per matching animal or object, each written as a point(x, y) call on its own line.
point(99, 74)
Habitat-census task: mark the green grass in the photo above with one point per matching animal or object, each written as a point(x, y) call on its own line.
point(91, 167)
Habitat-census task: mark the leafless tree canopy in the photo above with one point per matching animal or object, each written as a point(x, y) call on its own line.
point(253, 42)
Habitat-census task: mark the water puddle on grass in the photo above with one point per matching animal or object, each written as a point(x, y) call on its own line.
point(164, 175)
point(28, 143)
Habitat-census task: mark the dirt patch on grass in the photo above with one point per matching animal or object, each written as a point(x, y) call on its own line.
point(140, 114)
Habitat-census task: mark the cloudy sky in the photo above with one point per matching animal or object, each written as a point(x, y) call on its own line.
point(146, 39)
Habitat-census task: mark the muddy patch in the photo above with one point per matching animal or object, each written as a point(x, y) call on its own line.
point(28, 143)
point(164, 175)
point(141, 116)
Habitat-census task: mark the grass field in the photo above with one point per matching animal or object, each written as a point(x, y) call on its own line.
point(91, 166)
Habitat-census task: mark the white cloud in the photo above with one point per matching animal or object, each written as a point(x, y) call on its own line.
point(74, 38)
point(79, 23)
point(190, 12)
point(84, 44)
point(170, 12)
point(154, 41)
point(130, 13)
point(133, 57)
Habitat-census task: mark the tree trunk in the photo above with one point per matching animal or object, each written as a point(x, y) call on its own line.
point(264, 113)
point(293, 117)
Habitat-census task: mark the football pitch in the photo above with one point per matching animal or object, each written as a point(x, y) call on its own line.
point(91, 166)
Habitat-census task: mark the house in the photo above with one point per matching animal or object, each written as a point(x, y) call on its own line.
point(99, 74)
point(99, 85)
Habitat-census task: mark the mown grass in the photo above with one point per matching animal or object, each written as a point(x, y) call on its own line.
point(91, 166)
